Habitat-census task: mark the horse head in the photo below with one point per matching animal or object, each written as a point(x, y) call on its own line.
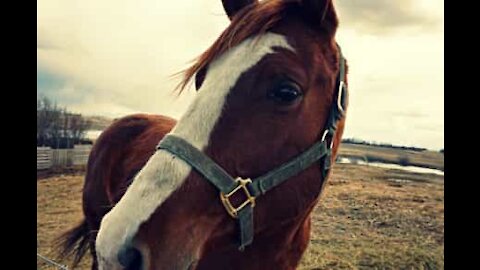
point(265, 93)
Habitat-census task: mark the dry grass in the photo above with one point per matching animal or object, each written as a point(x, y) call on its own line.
point(368, 218)
point(371, 218)
point(59, 207)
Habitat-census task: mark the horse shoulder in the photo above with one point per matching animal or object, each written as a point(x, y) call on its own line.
point(118, 154)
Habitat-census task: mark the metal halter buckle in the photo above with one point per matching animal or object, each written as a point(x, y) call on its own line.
point(242, 184)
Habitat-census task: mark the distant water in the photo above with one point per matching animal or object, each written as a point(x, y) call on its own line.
point(414, 169)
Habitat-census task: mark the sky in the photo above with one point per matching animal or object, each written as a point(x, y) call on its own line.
point(115, 58)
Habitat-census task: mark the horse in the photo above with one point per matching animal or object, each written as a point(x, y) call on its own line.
point(232, 183)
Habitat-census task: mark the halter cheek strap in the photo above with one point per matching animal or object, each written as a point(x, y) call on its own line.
point(228, 186)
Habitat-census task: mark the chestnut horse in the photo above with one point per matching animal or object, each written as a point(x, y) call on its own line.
point(266, 89)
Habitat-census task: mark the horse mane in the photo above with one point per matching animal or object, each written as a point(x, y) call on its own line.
point(251, 20)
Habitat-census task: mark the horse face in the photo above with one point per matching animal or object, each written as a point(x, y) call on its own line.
point(260, 103)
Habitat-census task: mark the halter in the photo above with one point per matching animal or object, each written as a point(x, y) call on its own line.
point(228, 186)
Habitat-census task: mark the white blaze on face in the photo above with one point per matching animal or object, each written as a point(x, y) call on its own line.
point(163, 174)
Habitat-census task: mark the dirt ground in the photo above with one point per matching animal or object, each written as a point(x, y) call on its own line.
point(367, 218)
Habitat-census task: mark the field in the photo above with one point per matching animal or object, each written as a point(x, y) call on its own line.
point(367, 218)
point(370, 153)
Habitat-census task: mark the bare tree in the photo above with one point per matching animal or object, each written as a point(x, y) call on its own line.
point(65, 127)
point(78, 127)
point(58, 128)
point(47, 114)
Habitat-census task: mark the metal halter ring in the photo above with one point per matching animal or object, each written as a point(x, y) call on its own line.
point(341, 87)
point(324, 136)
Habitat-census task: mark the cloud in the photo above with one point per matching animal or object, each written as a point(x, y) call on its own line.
point(124, 52)
point(410, 114)
point(117, 57)
point(387, 16)
point(43, 43)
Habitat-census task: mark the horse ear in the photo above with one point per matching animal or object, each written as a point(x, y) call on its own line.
point(321, 14)
point(233, 6)
point(200, 77)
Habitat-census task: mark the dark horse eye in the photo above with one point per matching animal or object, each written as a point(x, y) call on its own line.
point(285, 93)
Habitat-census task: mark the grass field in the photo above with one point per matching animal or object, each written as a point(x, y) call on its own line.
point(367, 218)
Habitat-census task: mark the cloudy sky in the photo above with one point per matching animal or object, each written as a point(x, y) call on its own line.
point(114, 58)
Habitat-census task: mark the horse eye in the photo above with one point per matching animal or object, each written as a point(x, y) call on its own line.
point(285, 93)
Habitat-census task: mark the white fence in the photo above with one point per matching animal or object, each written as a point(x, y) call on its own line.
point(44, 158)
point(47, 157)
point(80, 154)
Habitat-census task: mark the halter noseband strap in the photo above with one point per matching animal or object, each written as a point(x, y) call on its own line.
point(251, 188)
point(228, 186)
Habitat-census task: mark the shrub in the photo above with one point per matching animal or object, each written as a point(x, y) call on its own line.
point(404, 160)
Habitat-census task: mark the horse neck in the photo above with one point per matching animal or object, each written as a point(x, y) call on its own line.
point(274, 248)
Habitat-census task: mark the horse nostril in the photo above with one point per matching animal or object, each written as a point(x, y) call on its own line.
point(130, 258)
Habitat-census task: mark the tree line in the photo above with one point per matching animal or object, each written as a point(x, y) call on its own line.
point(387, 145)
point(57, 127)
